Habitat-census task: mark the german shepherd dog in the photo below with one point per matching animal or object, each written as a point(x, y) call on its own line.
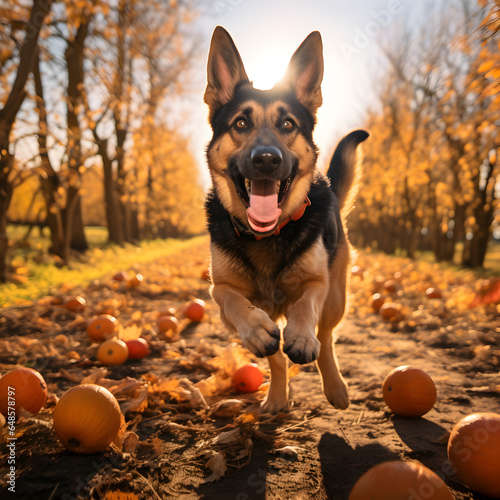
point(278, 244)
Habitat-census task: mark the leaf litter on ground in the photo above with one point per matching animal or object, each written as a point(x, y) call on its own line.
point(181, 394)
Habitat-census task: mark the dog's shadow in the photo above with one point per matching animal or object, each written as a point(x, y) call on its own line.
point(342, 465)
point(249, 482)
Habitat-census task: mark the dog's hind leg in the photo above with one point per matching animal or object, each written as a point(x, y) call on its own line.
point(277, 397)
point(334, 385)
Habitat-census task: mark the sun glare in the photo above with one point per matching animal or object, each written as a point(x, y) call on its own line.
point(267, 69)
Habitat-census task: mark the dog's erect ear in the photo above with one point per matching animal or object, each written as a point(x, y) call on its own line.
point(224, 71)
point(305, 72)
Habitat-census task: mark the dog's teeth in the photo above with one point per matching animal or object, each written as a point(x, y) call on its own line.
point(278, 185)
point(248, 185)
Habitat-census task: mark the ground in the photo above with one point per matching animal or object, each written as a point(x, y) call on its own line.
point(189, 435)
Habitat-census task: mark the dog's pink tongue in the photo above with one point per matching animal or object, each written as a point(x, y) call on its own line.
point(263, 212)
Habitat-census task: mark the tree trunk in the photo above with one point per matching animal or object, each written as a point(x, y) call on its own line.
point(8, 115)
point(113, 213)
point(49, 179)
point(121, 115)
point(483, 211)
point(475, 247)
point(73, 219)
point(6, 189)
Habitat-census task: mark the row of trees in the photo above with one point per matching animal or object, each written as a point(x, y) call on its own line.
point(431, 170)
point(88, 84)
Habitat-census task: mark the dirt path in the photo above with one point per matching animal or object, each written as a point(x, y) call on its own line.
point(185, 450)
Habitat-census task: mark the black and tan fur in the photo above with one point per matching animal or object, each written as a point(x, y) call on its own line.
point(299, 273)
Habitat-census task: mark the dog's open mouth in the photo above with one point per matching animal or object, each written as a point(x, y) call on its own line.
point(263, 199)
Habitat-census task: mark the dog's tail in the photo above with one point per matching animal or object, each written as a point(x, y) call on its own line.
point(345, 169)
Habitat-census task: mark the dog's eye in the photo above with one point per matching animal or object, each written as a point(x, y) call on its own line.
point(288, 125)
point(241, 123)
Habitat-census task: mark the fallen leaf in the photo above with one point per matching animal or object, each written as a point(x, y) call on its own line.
point(196, 399)
point(129, 333)
point(489, 293)
point(226, 408)
point(217, 464)
point(228, 436)
point(72, 377)
point(138, 403)
point(288, 451)
point(130, 442)
point(95, 376)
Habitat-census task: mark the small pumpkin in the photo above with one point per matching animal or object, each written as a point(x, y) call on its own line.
point(137, 348)
point(398, 480)
point(195, 310)
point(474, 452)
point(357, 271)
point(75, 304)
point(121, 276)
point(390, 311)
point(87, 418)
point(22, 388)
point(135, 281)
point(101, 327)
point(433, 293)
point(392, 286)
point(167, 324)
point(409, 391)
point(112, 352)
point(378, 301)
point(171, 311)
point(248, 378)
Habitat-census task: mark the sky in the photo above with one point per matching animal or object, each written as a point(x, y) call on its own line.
point(267, 33)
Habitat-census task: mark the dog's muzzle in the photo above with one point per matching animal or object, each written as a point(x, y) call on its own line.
point(266, 159)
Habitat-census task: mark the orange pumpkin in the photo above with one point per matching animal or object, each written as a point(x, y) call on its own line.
point(75, 304)
point(248, 378)
point(357, 271)
point(433, 293)
point(409, 391)
point(398, 480)
point(22, 388)
point(135, 281)
point(112, 352)
point(474, 452)
point(390, 311)
point(378, 301)
point(392, 286)
point(195, 310)
point(171, 311)
point(167, 324)
point(87, 418)
point(121, 276)
point(101, 327)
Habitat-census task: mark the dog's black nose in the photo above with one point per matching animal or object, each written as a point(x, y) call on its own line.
point(266, 158)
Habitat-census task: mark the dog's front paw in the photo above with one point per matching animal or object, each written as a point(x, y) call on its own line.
point(301, 348)
point(274, 405)
point(261, 335)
